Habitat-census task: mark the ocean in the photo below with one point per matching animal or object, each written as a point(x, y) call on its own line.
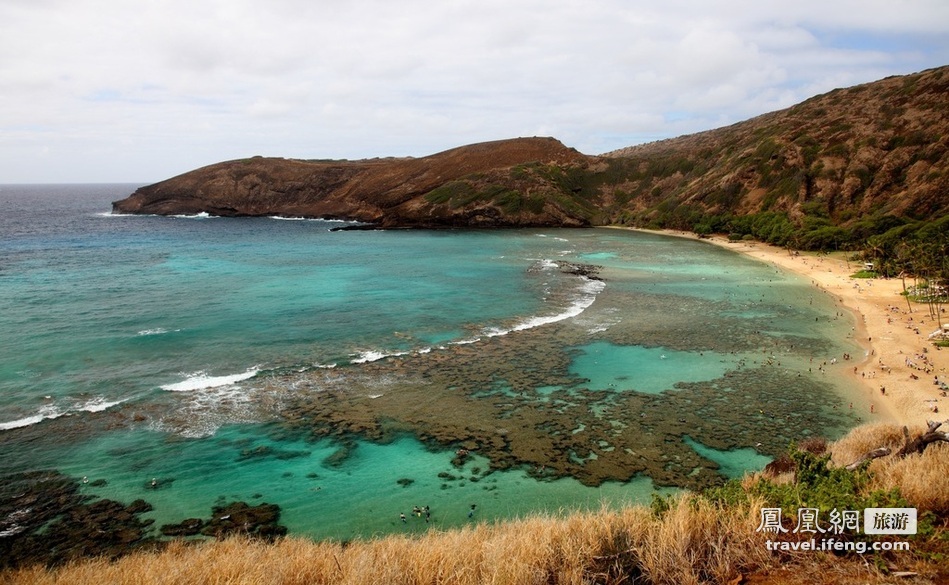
point(348, 376)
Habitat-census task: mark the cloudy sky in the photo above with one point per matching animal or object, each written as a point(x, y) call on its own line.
point(141, 90)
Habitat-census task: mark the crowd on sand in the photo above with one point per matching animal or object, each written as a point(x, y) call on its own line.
point(905, 376)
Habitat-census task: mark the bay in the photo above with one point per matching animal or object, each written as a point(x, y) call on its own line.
point(203, 352)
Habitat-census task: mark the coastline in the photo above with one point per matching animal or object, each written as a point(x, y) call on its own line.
point(895, 340)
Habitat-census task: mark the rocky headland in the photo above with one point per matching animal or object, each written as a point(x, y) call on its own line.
point(470, 186)
point(829, 172)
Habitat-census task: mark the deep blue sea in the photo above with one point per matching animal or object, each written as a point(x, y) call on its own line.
point(174, 348)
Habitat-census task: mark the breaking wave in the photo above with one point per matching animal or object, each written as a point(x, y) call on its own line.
point(202, 381)
point(52, 411)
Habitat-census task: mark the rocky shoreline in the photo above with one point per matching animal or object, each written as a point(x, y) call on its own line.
point(45, 519)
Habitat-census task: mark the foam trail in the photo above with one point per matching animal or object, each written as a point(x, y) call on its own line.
point(25, 422)
point(591, 288)
point(156, 331)
point(374, 356)
point(51, 411)
point(98, 404)
point(201, 381)
point(201, 215)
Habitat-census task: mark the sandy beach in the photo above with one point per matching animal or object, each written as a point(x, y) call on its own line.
point(900, 364)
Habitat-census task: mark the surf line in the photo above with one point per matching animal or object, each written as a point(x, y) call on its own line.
point(50, 412)
point(201, 381)
point(589, 290)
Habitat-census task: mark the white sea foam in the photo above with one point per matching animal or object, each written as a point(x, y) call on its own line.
point(98, 404)
point(201, 414)
point(369, 356)
point(374, 356)
point(200, 215)
point(156, 331)
point(12, 522)
point(52, 411)
point(589, 291)
point(558, 238)
point(287, 218)
point(548, 264)
point(25, 422)
point(201, 381)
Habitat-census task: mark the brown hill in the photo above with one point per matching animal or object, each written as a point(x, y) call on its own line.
point(387, 192)
point(861, 159)
point(831, 171)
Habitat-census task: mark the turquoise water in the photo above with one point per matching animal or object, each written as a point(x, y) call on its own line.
point(327, 500)
point(732, 463)
point(210, 354)
point(646, 369)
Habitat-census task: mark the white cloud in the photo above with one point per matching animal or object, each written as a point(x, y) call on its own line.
point(101, 90)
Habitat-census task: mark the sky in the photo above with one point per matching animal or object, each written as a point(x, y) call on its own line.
point(141, 90)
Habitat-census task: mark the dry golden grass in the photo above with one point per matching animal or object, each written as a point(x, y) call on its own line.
point(694, 541)
point(923, 479)
point(864, 439)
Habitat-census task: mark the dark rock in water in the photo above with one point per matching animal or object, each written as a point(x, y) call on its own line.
point(44, 519)
point(189, 527)
point(256, 453)
point(240, 518)
point(338, 457)
point(139, 507)
point(586, 270)
point(263, 452)
point(405, 482)
point(29, 500)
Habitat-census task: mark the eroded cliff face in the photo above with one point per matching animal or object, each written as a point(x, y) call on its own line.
point(475, 182)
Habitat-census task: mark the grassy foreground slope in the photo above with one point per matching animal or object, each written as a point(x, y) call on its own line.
point(709, 538)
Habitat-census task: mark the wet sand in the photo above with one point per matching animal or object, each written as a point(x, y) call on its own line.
point(900, 363)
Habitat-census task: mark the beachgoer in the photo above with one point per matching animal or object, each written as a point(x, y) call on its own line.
point(472, 510)
point(402, 516)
